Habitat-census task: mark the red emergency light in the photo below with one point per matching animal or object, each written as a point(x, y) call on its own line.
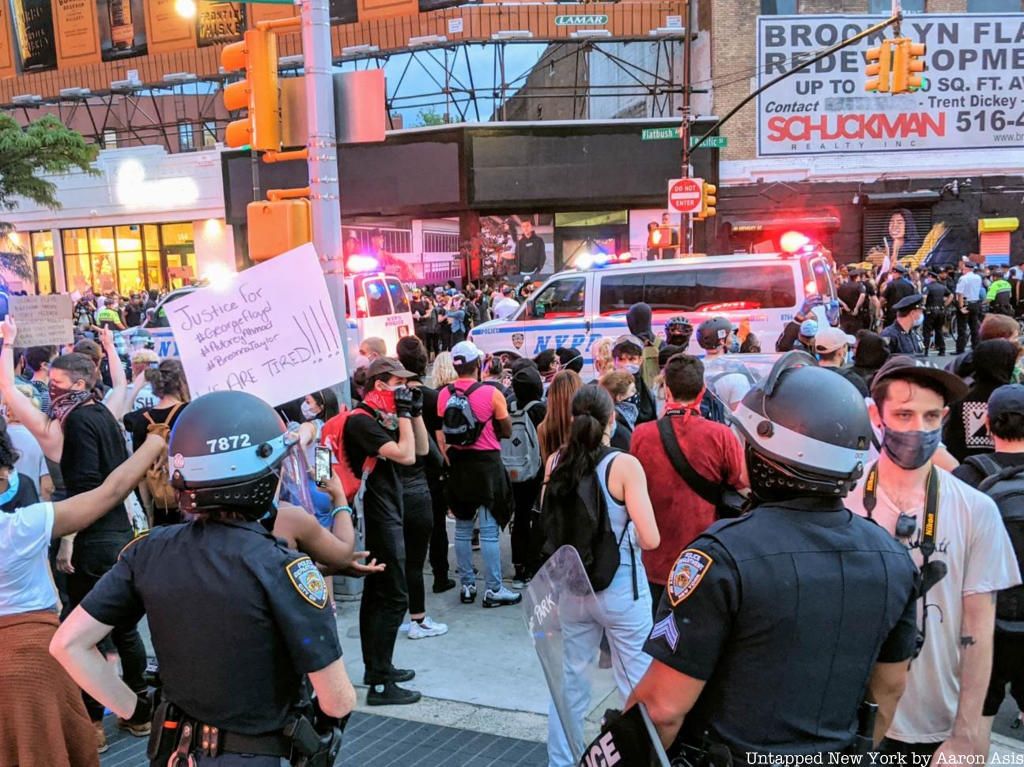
point(358, 263)
point(792, 242)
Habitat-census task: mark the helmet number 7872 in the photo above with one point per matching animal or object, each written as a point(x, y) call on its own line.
point(229, 443)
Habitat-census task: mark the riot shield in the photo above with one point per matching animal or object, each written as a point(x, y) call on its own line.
point(564, 618)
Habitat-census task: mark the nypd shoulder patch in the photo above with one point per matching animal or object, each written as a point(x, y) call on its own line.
point(687, 573)
point(308, 581)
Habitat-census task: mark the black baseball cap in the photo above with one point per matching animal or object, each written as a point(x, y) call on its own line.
point(389, 366)
point(905, 367)
point(1006, 399)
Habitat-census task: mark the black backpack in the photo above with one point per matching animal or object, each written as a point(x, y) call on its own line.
point(582, 521)
point(460, 426)
point(1006, 488)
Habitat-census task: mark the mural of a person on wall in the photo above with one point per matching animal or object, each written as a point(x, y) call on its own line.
point(901, 241)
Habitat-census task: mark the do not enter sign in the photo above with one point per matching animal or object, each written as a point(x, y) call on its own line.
point(684, 194)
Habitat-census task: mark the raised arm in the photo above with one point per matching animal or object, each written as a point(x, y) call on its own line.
point(47, 433)
point(82, 510)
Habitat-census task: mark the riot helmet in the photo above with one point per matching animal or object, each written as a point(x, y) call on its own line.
point(712, 333)
point(806, 431)
point(224, 453)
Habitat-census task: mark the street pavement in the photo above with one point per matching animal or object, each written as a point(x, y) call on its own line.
point(485, 699)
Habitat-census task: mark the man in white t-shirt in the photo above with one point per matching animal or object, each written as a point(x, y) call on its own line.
point(941, 710)
point(503, 308)
point(715, 336)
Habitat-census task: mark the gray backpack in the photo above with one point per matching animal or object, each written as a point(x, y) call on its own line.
point(520, 452)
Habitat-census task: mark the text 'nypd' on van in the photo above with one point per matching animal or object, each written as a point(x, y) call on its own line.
point(381, 309)
point(759, 293)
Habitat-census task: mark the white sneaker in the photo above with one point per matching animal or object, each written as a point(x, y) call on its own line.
point(427, 629)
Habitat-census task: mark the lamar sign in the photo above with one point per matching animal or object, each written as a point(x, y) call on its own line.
point(970, 98)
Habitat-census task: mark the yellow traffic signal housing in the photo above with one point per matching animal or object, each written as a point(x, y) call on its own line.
point(708, 201)
point(258, 93)
point(277, 226)
point(906, 63)
point(879, 68)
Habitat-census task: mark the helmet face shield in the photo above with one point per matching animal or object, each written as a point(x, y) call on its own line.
point(296, 482)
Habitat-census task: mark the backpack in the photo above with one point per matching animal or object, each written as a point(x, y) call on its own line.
point(460, 426)
point(712, 408)
point(521, 451)
point(582, 521)
point(1006, 488)
point(332, 437)
point(158, 477)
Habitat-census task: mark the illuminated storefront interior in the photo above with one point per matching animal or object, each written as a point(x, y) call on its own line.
point(122, 258)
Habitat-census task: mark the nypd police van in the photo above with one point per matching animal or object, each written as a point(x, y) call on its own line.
point(759, 293)
point(381, 309)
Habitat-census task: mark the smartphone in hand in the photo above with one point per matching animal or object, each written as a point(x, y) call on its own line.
point(322, 466)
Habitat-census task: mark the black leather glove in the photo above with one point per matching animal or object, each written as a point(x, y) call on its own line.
point(403, 402)
point(143, 712)
point(417, 402)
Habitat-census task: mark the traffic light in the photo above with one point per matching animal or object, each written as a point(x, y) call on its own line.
point(277, 226)
point(708, 201)
point(258, 93)
point(906, 62)
point(879, 68)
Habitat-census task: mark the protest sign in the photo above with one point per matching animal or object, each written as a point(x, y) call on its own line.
point(970, 97)
point(271, 332)
point(43, 320)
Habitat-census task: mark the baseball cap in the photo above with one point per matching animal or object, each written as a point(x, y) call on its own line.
point(388, 366)
point(830, 339)
point(465, 351)
point(809, 328)
point(903, 366)
point(1006, 399)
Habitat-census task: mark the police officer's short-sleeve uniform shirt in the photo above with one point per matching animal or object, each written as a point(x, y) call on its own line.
point(783, 613)
point(901, 341)
point(236, 619)
point(935, 295)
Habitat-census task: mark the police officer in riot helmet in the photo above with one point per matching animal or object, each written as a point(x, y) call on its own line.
point(774, 625)
point(237, 619)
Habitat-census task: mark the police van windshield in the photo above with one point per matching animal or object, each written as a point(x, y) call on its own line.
point(702, 289)
point(377, 301)
point(562, 298)
point(399, 299)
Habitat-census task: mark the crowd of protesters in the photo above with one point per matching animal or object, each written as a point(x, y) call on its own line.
point(436, 432)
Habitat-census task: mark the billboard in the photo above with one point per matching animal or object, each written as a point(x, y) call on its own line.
point(970, 99)
point(122, 28)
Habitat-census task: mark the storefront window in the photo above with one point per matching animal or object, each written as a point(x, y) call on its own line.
point(42, 262)
point(129, 258)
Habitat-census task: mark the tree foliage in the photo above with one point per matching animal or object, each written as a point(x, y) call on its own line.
point(428, 117)
point(44, 147)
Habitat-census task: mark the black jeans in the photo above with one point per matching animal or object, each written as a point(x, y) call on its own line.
point(439, 533)
point(525, 524)
point(924, 751)
point(417, 524)
point(92, 558)
point(384, 600)
point(968, 322)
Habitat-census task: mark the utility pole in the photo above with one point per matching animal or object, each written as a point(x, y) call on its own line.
point(685, 219)
point(324, 190)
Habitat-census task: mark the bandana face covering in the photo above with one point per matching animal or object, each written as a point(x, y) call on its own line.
point(66, 401)
point(383, 403)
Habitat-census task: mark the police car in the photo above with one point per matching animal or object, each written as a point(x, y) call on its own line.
point(759, 293)
point(380, 301)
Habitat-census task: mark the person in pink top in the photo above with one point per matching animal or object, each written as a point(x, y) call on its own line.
point(478, 487)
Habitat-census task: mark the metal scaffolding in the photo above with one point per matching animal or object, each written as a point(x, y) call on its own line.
point(443, 83)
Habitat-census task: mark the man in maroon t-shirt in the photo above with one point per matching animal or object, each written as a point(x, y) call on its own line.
point(712, 450)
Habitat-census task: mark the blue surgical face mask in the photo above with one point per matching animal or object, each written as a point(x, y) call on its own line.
point(632, 368)
point(910, 449)
point(919, 321)
point(308, 412)
point(12, 489)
